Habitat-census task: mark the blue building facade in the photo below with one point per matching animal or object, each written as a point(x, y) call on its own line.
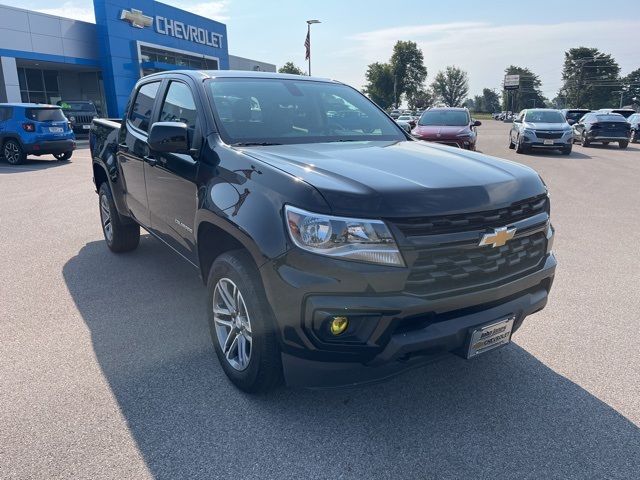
point(46, 58)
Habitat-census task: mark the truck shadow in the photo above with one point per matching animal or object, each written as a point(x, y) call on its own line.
point(503, 415)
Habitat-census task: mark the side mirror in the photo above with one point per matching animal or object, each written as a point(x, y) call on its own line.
point(571, 122)
point(476, 123)
point(517, 120)
point(169, 137)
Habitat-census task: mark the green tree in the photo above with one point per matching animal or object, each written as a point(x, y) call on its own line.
point(490, 101)
point(451, 85)
point(379, 86)
point(631, 85)
point(528, 94)
point(291, 67)
point(408, 70)
point(589, 78)
point(420, 99)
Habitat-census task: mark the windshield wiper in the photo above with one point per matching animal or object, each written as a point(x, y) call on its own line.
point(254, 144)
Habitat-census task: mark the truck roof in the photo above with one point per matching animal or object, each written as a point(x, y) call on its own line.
point(202, 74)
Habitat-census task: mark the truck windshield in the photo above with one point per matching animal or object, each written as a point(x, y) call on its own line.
point(544, 116)
point(281, 111)
point(45, 114)
point(449, 118)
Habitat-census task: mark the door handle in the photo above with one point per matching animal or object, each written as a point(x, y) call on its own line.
point(123, 147)
point(151, 161)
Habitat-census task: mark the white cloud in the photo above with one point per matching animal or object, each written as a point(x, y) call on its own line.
point(485, 50)
point(71, 10)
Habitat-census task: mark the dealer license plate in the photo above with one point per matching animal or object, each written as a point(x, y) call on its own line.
point(548, 142)
point(56, 129)
point(86, 127)
point(490, 336)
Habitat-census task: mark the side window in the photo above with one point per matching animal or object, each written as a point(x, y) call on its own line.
point(5, 113)
point(140, 114)
point(178, 106)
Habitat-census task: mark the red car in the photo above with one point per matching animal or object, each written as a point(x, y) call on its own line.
point(448, 125)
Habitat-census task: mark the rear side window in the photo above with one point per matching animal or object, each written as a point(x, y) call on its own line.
point(45, 114)
point(179, 106)
point(140, 114)
point(5, 113)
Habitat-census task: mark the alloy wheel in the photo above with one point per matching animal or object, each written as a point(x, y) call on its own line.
point(12, 152)
point(232, 324)
point(105, 216)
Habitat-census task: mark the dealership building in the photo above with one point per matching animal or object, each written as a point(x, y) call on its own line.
point(46, 59)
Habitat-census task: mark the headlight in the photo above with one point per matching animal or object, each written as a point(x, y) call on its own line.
point(346, 238)
point(72, 118)
point(528, 131)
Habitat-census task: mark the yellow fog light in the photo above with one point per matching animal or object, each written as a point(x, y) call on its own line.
point(339, 325)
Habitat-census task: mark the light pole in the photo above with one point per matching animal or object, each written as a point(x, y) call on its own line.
point(308, 41)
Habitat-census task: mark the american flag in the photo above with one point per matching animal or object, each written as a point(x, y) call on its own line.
point(307, 46)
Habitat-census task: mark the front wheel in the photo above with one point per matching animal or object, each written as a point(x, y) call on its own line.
point(634, 136)
point(511, 144)
point(120, 237)
point(584, 141)
point(63, 156)
point(13, 152)
point(623, 144)
point(242, 324)
point(566, 150)
point(520, 148)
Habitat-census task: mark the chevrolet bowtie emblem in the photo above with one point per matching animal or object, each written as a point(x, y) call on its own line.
point(136, 18)
point(498, 238)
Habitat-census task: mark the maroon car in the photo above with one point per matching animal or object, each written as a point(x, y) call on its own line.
point(447, 125)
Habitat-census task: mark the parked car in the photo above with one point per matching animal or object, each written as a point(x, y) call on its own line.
point(625, 112)
point(602, 128)
point(80, 114)
point(333, 254)
point(449, 126)
point(543, 128)
point(634, 122)
point(34, 129)
point(395, 113)
point(574, 114)
point(407, 122)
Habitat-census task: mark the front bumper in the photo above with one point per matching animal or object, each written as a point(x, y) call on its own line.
point(50, 147)
point(393, 331)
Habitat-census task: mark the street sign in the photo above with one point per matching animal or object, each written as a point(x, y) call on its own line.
point(511, 82)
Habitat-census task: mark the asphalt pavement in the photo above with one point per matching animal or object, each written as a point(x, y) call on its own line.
point(107, 370)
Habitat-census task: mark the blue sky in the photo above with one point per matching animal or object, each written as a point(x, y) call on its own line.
point(479, 37)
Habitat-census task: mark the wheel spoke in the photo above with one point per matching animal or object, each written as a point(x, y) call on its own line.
point(232, 345)
point(224, 323)
point(228, 297)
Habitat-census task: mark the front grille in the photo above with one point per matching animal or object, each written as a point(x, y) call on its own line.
point(420, 226)
point(81, 119)
point(454, 267)
point(553, 135)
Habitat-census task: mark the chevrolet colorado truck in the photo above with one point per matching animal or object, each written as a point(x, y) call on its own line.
point(336, 249)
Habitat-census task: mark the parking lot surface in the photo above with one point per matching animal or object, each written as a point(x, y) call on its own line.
point(107, 370)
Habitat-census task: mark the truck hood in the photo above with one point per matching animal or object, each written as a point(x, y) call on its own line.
point(399, 179)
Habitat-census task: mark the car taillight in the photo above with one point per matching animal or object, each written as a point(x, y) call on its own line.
point(29, 127)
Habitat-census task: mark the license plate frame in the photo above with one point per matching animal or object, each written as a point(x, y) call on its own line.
point(490, 336)
point(56, 129)
point(548, 142)
point(86, 127)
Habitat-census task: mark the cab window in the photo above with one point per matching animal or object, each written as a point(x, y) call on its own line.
point(179, 106)
point(140, 113)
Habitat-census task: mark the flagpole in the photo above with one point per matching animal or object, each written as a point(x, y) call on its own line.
point(309, 22)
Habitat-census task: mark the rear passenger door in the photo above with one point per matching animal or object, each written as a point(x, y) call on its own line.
point(133, 150)
point(171, 178)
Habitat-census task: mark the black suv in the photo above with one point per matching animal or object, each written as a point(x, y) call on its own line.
point(336, 249)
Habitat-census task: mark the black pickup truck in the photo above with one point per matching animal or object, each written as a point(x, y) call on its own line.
point(336, 249)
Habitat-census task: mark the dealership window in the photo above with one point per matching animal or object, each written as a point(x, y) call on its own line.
point(38, 86)
point(140, 113)
point(157, 55)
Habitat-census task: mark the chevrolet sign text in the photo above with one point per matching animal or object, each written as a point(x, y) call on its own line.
point(177, 29)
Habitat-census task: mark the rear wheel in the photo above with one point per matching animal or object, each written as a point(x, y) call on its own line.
point(511, 144)
point(634, 136)
point(63, 156)
point(120, 237)
point(241, 324)
point(623, 144)
point(13, 152)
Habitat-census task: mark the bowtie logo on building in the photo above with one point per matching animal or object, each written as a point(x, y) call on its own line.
point(136, 18)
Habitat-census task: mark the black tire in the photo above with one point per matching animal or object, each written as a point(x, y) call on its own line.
point(119, 236)
point(63, 156)
point(634, 136)
point(520, 148)
point(511, 145)
point(13, 153)
point(264, 369)
point(567, 150)
point(584, 141)
point(605, 143)
point(623, 144)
